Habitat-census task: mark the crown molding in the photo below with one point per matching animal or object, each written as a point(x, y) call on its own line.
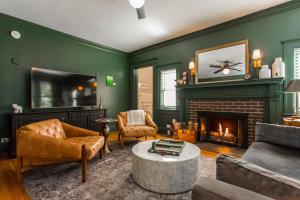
point(242, 20)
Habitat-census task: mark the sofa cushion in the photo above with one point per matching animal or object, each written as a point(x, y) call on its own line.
point(250, 176)
point(277, 134)
point(50, 128)
point(92, 144)
point(212, 189)
point(275, 158)
point(139, 131)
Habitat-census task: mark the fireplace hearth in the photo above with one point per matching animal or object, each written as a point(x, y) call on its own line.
point(227, 128)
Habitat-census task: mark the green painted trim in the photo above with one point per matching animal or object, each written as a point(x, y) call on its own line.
point(66, 36)
point(238, 82)
point(291, 40)
point(242, 20)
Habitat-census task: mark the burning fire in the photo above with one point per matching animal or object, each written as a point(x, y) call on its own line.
point(226, 133)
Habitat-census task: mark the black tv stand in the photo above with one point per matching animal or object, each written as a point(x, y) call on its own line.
point(83, 118)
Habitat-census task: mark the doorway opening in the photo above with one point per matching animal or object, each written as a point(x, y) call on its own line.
point(145, 89)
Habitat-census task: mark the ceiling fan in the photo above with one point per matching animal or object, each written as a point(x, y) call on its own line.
point(139, 6)
point(226, 67)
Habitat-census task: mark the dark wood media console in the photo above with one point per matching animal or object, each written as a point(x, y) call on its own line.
point(80, 118)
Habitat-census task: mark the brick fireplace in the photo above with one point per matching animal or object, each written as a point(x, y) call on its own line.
point(253, 108)
point(260, 99)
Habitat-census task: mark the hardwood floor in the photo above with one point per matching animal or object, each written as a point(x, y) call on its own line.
point(10, 190)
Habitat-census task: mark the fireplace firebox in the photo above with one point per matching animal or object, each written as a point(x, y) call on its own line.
point(227, 128)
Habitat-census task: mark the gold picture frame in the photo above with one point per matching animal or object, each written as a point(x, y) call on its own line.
point(242, 44)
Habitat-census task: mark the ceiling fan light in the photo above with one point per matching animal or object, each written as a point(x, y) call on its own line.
point(137, 3)
point(226, 71)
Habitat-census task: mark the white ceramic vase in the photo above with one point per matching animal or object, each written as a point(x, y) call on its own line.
point(265, 72)
point(278, 68)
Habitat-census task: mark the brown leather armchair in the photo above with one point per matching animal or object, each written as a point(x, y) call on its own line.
point(125, 132)
point(52, 141)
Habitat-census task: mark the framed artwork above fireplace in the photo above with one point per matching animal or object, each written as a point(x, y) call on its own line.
point(226, 61)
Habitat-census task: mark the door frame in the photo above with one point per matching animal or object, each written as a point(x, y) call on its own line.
point(134, 78)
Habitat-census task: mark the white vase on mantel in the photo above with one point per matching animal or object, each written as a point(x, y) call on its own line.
point(278, 68)
point(265, 72)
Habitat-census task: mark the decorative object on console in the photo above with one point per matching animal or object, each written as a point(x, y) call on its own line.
point(278, 68)
point(17, 108)
point(179, 81)
point(225, 60)
point(265, 72)
point(185, 77)
point(294, 87)
point(247, 76)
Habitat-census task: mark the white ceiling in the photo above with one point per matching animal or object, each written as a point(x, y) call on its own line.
point(114, 23)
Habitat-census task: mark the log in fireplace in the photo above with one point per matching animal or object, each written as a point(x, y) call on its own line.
point(228, 128)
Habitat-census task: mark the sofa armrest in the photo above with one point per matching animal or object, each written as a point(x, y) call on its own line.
point(208, 189)
point(32, 145)
point(255, 178)
point(73, 131)
point(150, 122)
point(120, 123)
point(287, 136)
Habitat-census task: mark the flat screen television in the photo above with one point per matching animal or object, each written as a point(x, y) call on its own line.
point(57, 89)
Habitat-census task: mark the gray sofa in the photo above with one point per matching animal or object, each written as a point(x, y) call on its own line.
point(271, 166)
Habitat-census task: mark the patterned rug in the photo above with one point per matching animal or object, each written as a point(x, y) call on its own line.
point(108, 179)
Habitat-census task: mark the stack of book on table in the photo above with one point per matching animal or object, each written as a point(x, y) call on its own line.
point(167, 147)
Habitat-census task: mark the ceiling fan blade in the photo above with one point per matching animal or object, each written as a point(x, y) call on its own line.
point(218, 71)
point(234, 69)
point(235, 64)
point(141, 13)
point(215, 66)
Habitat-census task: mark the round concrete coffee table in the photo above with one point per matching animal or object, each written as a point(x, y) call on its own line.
point(165, 174)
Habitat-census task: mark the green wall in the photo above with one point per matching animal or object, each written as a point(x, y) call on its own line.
point(46, 48)
point(265, 30)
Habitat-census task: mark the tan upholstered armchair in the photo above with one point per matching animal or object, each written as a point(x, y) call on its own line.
point(52, 141)
point(150, 129)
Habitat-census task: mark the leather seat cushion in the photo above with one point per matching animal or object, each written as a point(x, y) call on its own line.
point(50, 128)
point(92, 144)
point(138, 131)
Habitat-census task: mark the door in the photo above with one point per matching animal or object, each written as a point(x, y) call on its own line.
point(145, 89)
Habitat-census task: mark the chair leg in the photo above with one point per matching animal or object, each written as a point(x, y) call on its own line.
point(119, 137)
point(83, 163)
point(122, 142)
point(101, 153)
point(19, 170)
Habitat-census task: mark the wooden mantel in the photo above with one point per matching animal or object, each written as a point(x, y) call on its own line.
point(270, 90)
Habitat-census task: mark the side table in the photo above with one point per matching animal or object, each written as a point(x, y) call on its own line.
point(105, 130)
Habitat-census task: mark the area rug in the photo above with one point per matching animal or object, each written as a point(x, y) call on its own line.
point(108, 179)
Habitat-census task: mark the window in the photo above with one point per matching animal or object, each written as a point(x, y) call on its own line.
point(297, 69)
point(168, 89)
point(297, 63)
